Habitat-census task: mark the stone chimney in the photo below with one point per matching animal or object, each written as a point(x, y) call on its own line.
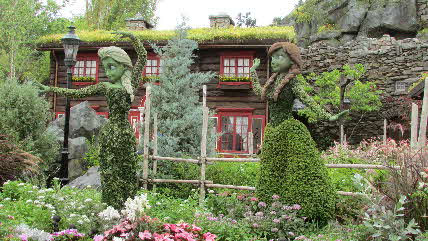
point(137, 23)
point(221, 21)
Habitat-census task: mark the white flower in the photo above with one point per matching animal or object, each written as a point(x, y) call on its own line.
point(135, 207)
point(41, 191)
point(109, 214)
point(21, 184)
point(210, 191)
point(35, 187)
point(50, 206)
point(73, 215)
point(30, 191)
point(36, 202)
point(88, 200)
point(158, 203)
point(49, 190)
point(80, 221)
point(117, 239)
point(7, 199)
point(40, 197)
point(29, 201)
point(1, 205)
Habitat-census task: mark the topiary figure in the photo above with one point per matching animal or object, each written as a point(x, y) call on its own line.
point(118, 159)
point(291, 165)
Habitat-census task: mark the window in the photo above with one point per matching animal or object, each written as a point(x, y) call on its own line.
point(235, 127)
point(237, 65)
point(153, 66)
point(86, 69)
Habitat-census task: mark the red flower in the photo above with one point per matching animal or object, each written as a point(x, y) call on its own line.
point(145, 235)
point(209, 236)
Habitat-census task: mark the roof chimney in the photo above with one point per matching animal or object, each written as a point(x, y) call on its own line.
point(221, 20)
point(137, 23)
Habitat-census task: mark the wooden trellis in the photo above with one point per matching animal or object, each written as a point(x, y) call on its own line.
point(203, 160)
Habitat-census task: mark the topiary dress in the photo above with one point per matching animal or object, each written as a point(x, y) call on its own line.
point(291, 165)
point(118, 159)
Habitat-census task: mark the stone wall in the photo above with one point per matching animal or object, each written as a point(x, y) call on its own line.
point(391, 63)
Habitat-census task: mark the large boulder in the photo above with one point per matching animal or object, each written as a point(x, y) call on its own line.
point(356, 18)
point(91, 179)
point(84, 121)
point(84, 125)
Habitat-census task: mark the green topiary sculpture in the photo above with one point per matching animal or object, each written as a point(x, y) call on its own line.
point(291, 166)
point(118, 159)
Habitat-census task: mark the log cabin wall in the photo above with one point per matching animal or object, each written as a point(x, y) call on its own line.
point(207, 60)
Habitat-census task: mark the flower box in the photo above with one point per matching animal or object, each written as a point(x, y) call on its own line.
point(83, 80)
point(233, 83)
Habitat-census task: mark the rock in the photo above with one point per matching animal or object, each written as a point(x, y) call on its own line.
point(76, 168)
point(90, 179)
point(356, 12)
point(77, 147)
point(326, 35)
point(84, 121)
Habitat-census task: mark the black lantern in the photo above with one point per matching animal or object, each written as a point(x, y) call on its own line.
point(71, 45)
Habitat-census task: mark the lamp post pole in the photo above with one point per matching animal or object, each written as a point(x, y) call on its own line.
point(71, 45)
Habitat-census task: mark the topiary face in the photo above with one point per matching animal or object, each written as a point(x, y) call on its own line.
point(281, 61)
point(113, 69)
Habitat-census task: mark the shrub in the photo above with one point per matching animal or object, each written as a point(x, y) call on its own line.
point(23, 117)
point(291, 167)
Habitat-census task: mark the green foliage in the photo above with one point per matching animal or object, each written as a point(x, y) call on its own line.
point(198, 34)
point(92, 156)
point(113, 17)
point(327, 27)
point(234, 79)
point(23, 203)
point(83, 79)
point(23, 117)
point(25, 21)
point(363, 96)
point(245, 20)
point(176, 99)
point(292, 168)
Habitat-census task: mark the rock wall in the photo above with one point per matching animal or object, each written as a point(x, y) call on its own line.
point(393, 64)
point(363, 18)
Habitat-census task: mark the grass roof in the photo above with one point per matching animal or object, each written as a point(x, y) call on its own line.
point(198, 34)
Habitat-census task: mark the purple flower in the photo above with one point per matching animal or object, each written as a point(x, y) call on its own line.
point(276, 220)
point(296, 207)
point(262, 204)
point(255, 225)
point(286, 208)
point(275, 197)
point(23, 237)
point(234, 221)
point(212, 218)
point(274, 230)
point(291, 233)
point(259, 214)
point(98, 238)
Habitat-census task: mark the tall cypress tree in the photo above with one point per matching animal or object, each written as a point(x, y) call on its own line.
point(176, 99)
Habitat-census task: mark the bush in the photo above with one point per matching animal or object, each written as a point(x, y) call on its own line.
point(291, 167)
point(23, 117)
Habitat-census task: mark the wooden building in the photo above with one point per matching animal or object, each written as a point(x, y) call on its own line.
point(229, 53)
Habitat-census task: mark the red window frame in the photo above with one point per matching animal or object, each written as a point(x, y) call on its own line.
point(154, 64)
point(87, 57)
point(245, 55)
point(236, 112)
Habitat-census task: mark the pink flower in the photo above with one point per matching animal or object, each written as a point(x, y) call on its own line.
point(254, 199)
point(275, 197)
point(262, 204)
point(296, 207)
point(10, 217)
point(145, 235)
point(98, 238)
point(23, 237)
point(209, 236)
point(195, 228)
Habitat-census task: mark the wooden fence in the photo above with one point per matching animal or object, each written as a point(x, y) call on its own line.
point(203, 160)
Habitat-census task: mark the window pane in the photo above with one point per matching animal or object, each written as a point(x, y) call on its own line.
point(232, 62)
point(227, 142)
point(247, 70)
point(80, 71)
point(246, 62)
point(94, 63)
point(88, 64)
point(227, 124)
point(76, 71)
point(148, 70)
point(226, 62)
point(94, 72)
point(226, 70)
point(240, 70)
point(240, 62)
point(241, 133)
point(257, 133)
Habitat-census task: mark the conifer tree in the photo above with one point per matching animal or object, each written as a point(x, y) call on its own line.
point(176, 99)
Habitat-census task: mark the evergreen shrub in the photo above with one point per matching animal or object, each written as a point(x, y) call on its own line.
point(292, 168)
point(23, 118)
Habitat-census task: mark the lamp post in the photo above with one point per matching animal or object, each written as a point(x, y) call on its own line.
point(71, 42)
